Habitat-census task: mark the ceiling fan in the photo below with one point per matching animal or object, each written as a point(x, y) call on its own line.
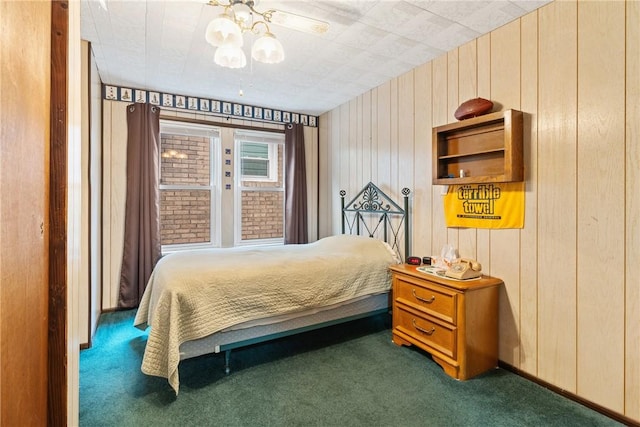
point(278, 17)
point(241, 16)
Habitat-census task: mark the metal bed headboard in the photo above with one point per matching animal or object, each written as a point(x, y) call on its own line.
point(372, 208)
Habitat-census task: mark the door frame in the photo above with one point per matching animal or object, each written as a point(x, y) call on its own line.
point(57, 349)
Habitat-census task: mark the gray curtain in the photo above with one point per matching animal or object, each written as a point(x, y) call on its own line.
point(142, 215)
point(295, 193)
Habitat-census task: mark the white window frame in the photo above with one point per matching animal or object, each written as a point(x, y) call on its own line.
point(214, 134)
point(273, 139)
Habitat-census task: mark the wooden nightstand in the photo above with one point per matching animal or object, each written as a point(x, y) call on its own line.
point(455, 321)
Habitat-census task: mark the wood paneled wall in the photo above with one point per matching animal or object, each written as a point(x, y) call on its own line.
point(570, 306)
point(114, 181)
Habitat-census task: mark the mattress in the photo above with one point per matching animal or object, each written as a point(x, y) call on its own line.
point(252, 332)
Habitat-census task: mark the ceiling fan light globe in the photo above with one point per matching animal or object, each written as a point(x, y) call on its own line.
point(230, 57)
point(242, 14)
point(267, 49)
point(223, 31)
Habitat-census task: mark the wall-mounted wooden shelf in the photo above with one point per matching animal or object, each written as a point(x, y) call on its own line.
point(487, 148)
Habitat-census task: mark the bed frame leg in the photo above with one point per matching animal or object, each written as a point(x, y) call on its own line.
point(227, 358)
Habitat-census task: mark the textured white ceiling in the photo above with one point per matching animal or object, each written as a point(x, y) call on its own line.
point(159, 45)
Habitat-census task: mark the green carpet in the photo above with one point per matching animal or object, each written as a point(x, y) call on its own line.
point(348, 375)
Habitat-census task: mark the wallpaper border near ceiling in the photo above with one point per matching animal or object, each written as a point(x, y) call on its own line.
point(206, 105)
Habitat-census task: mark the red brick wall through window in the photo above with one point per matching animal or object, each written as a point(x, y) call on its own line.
point(185, 213)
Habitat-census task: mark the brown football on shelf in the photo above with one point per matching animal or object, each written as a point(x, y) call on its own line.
point(472, 108)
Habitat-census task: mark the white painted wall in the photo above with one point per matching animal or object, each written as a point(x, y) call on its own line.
point(91, 183)
point(76, 258)
point(95, 190)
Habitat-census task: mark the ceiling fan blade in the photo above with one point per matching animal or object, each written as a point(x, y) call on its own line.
point(298, 22)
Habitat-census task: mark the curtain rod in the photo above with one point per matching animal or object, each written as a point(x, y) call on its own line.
point(222, 124)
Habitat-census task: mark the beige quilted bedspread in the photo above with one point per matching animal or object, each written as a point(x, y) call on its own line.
point(193, 294)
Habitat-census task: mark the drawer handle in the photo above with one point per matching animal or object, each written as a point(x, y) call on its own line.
point(428, 301)
point(424, 331)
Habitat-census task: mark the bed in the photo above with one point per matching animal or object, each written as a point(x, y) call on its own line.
point(216, 300)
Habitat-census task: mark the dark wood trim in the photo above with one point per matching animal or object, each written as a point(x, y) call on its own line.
point(318, 183)
point(57, 356)
point(604, 411)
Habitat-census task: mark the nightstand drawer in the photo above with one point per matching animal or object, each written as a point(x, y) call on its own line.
point(427, 297)
point(434, 334)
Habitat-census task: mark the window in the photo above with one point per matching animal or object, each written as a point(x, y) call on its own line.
point(195, 179)
point(188, 185)
point(259, 161)
point(259, 197)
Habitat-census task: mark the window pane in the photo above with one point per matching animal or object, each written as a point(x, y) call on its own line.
point(184, 159)
point(185, 216)
point(262, 215)
point(260, 195)
point(254, 167)
point(279, 181)
point(257, 150)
